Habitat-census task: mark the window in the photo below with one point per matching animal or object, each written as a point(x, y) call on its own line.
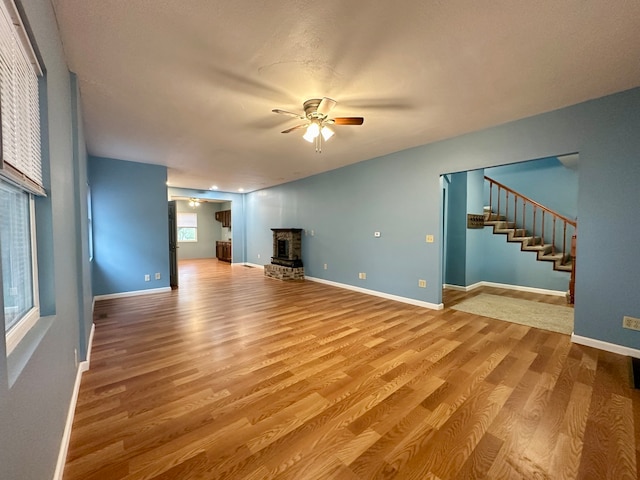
point(187, 227)
point(20, 174)
point(18, 269)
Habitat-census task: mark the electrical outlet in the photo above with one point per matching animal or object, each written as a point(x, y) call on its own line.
point(258, 255)
point(325, 266)
point(631, 323)
point(157, 275)
point(147, 277)
point(313, 233)
point(75, 356)
point(422, 283)
point(362, 276)
point(429, 239)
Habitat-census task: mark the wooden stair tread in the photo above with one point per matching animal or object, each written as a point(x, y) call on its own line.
point(538, 248)
point(562, 261)
point(553, 257)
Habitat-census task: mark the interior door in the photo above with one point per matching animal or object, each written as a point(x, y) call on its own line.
point(173, 245)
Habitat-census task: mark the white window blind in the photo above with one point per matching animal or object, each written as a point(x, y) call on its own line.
point(187, 227)
point(20, 161)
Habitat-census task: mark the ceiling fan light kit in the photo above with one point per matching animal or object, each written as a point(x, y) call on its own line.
point(327, 133)
point(316, 114)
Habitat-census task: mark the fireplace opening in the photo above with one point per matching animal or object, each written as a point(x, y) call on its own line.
point(283, 248)
point(287, 247)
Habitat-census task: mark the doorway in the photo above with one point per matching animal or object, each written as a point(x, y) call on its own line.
point(197, 229)
point(473, 258)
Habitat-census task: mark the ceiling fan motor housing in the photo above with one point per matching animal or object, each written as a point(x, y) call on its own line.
point(311, 109)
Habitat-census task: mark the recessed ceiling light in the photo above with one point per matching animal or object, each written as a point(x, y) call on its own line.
point(241, 189)
point(214, 187)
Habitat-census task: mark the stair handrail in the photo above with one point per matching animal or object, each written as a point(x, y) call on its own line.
point(529, 200)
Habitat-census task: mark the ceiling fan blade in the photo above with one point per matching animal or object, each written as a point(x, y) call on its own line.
point(291, 114)
point(326, 105)
point(348, 120)
point(303, 125)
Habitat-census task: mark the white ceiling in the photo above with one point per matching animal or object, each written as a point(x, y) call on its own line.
point(190, 84)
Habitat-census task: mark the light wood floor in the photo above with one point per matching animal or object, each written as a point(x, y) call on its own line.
point(239, 376)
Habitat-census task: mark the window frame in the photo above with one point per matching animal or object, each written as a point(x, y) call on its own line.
point(17, 332)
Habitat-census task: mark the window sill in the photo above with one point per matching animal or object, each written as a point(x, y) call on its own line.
point(22, 352)
point(20, 330)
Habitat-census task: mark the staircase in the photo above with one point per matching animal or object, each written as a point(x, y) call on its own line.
point(537, 228)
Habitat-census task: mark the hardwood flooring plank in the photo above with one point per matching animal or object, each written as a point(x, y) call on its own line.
point(484, 454)
point(239, 376)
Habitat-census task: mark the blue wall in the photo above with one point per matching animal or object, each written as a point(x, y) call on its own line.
point(475, 246)
point(340, 211)
point(130, 225)
point(546, 181)
point(80, 176)
point(504, 262)
point(400, 195)
point(456, 237)
point(36, 380)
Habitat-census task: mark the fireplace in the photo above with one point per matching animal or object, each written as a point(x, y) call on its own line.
point(286, 262)
point(287, 247)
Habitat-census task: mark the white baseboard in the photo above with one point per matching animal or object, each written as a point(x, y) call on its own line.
point(66, 435)
point(132, 294)
point(388, 296)
point(506, 286)
point(447, 286)
point(89, 346)
point(606, 346)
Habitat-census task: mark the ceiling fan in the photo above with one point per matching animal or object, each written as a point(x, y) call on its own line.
point(317, 121)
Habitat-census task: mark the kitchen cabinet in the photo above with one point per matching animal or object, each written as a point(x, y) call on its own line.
point(224, 217)
point(223, 251)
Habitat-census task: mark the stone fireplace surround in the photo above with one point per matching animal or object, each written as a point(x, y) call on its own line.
point(286, 262)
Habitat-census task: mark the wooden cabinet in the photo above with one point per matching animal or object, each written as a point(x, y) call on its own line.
point(224, 217)
point(223, 251)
